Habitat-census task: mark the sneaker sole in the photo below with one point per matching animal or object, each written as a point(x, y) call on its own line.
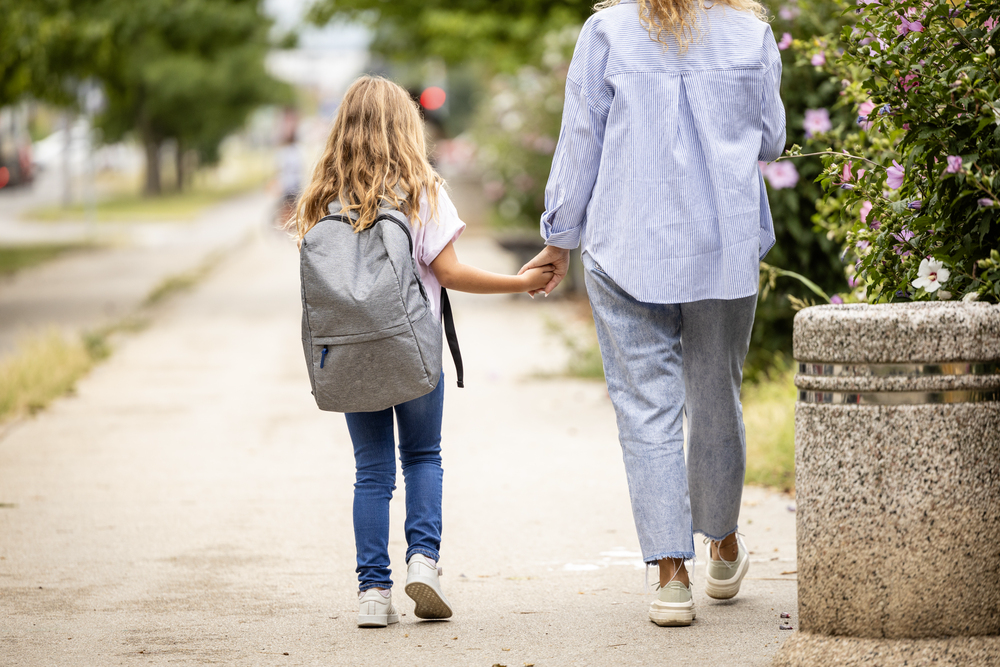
point(430, 604)
point(725, 589)
point(667, 614)
point(377, 621)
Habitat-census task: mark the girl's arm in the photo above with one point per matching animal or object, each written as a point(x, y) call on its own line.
point(452, 274)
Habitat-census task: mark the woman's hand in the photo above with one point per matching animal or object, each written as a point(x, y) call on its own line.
point(557, 258)
point(537, 278)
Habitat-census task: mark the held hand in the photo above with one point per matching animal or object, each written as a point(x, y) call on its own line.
point(537, 278)
point(558, 258)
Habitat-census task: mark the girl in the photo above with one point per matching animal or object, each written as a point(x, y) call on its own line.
point(669, 106)
point(375, 157)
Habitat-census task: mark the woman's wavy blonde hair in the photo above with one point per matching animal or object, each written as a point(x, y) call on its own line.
point(679, 18)
point(375, 157)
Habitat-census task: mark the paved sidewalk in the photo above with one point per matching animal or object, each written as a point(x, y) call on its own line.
point(87, 289)
point(191, 505)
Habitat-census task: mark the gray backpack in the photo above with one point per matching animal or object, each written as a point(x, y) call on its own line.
point(370, 338)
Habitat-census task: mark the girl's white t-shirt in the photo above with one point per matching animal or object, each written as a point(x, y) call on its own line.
point(431, 237)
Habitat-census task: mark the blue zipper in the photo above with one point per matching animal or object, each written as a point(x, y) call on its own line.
point(322, 359)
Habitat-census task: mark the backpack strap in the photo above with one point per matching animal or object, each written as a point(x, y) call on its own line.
point(384, 216)
point(452, 336)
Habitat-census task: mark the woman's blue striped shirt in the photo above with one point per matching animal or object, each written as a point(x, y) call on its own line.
point(656, 166)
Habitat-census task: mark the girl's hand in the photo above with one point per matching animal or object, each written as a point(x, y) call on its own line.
point(537, 278)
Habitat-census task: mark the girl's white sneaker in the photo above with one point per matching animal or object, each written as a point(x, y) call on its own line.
point(424, 587)
point(376, 610)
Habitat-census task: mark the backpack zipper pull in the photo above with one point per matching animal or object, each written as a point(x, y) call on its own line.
point(322, 359)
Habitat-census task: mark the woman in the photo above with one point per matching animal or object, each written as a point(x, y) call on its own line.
point(670, 104)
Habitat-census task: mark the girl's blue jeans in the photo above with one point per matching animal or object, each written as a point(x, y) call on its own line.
point(662, 361)
point(419, 423)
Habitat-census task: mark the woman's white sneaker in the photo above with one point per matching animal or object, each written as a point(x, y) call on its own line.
point(723, 577)
point(424, 587)
point(375, 609)
point(674, 605)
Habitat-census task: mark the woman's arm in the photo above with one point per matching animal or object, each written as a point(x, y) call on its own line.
point(452, 274)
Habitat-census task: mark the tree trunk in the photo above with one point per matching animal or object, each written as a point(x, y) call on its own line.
point(67, 168)
point(152, 187)
point(179, 159)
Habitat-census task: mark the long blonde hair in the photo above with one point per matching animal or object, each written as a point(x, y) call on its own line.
point(375, 157)
point(679, 18)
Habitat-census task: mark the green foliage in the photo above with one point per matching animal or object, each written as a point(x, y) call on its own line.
point(923, 78)
point(45, 46)
point(189, 70)
point(501, 33)
point(186, 70)
point(516, 131)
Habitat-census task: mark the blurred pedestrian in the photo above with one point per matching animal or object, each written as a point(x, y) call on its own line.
point(669, 106)
point(289, 168)
point(376, 158)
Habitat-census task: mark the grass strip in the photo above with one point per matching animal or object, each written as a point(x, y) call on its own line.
point(179, 206)
point(43, 368)
point(48, 365)
point(19, 257)
point(769, 417)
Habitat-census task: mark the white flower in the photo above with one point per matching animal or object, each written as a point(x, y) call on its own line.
point(944, 295)
point(932, 275)
point(970, 297)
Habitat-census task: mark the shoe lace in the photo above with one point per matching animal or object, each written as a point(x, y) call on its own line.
point(728, 564)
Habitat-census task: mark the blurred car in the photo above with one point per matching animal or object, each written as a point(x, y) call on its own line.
point(15, 148)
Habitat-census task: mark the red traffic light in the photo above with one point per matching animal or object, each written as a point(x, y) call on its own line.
point(433, 98)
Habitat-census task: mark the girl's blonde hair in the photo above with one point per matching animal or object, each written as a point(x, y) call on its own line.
point(679, 18)
point(375, 157)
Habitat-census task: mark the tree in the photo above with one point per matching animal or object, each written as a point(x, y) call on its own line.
point(184, 70)
point(187, 70)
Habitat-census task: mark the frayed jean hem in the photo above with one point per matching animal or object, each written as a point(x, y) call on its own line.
point(683, 555)
point(717, 539)
point(433, 555)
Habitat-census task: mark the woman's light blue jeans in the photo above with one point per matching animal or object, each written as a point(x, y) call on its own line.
point(660, 361)
point(375, 456)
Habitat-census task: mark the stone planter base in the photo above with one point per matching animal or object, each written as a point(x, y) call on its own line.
point(804, 649)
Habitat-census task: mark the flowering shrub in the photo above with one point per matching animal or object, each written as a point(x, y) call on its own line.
point(914, 184)
point(516, 131)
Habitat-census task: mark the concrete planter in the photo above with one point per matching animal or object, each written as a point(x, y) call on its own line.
point(897, 449)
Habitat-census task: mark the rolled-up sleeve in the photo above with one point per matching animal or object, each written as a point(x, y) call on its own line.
point(772, 143)
point(577, 157)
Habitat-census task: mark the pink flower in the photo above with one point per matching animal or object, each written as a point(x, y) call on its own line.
point(906, 26)
point(989, 24)
point(986, 202)
point(836, 298)
point(864, 111)
point(786, 41)
point(894, 175)
point(954, 164)
point(866, 208)
point(781, 175)
point(907, 82)
point(817, 122)
point(903, 237)
point(789, 12)
point(819, 59)
point(846, 175)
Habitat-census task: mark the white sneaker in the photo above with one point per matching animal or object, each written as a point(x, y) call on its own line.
point(424, 587)
point(723, 577)
point(376, 610)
